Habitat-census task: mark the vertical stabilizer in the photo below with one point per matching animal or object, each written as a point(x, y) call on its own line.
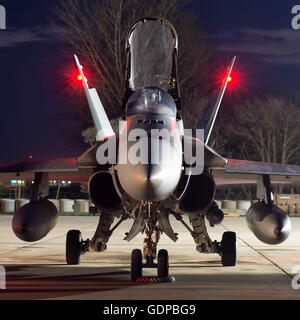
point(210, 114)
point(100, 118)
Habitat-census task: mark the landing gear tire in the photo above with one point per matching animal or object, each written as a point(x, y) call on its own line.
point(163, 264)
point(228, 249)
point(73, 247)
point(136, 264)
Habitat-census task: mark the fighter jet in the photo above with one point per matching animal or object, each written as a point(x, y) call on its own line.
point(153, 167)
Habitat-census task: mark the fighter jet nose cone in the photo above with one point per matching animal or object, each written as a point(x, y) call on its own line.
point(153, 181)
point(149, 182)
point(148, 179)
point(150, 175)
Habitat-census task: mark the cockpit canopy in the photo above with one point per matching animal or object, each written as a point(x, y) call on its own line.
point(152, 42)
point(151, 100)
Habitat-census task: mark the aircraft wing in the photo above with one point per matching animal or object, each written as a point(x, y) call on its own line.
point(245, 172)
point(64, 164)
point(76, 169)
point(232, 171)
point(58, 169)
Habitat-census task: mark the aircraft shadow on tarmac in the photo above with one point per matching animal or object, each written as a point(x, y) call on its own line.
point(41, 281)
point(58, 280)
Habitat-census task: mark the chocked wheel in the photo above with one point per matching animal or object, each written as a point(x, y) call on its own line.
point(136, 264)
point(163, 264)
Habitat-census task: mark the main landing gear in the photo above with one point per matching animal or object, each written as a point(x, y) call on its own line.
point(76, 246)
point(152, 222)
point(227, 248)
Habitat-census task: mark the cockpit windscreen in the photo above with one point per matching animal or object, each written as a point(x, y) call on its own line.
point(153, 100)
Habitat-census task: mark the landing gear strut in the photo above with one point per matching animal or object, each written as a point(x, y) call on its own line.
point(76, 247)
point(226, 248)
point(103, 233)
point(152, 232)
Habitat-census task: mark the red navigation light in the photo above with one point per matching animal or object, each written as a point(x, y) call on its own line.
point(72, 79)
point(237, 82)
point(30, 156)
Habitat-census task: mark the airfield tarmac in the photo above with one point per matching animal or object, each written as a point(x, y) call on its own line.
point(38, 270)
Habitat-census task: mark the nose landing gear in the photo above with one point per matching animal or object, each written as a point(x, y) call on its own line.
point(136, 264)
point(163, 264)
point(152, 232)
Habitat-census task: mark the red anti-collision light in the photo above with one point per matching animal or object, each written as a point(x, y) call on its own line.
point(79, 77)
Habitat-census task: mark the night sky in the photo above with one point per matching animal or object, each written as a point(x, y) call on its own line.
point(35, 116)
